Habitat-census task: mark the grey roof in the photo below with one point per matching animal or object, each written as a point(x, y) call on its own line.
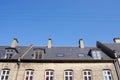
point(113, 46)
point(65, 53)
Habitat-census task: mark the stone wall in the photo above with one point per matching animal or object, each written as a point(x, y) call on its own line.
point(39, 70)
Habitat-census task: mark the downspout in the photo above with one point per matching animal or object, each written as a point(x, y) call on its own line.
point(18, 66)
point(117, 68)
point(19, 59)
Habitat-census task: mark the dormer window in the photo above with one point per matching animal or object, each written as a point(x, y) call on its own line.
point(9, 53)
point(38, 54)
point(96, 54)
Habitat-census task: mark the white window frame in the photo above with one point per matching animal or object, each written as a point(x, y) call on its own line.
point(38, 54)
point(4, 74)
point(87, 75)
point(29, 74)
point(9, 53)
point(107, 75)
point(49, 75)
point(68, 74)
point(96, 54)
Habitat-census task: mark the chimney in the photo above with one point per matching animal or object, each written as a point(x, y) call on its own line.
point(116, 40)
point(81, 44)
point(14, 43)
point(49, 43)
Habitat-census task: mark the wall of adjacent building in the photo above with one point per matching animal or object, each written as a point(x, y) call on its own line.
point(119, 61)
point(39, 70)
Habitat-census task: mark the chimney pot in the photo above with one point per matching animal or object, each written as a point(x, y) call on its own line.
point(116, 40)
point(81, 43)
point(49, 43)
point(14, 43)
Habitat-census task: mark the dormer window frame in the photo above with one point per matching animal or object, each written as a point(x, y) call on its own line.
point(96, 54)
point(9, 52)
point(38, 54)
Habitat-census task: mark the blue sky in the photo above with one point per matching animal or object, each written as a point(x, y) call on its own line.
point(65, 21)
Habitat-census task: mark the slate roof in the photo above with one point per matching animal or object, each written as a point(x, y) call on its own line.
point(66, 53)
point(113, 46)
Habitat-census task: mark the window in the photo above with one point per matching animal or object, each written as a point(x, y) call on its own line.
point(9, 53)
point(4, 74)
point(107, 75)
point(68, 75)
point(81, 55)
point(49, 74)
point(96, 54)
point(38, 54)
point(60, 55)
point(29, 75)
point(87, 75)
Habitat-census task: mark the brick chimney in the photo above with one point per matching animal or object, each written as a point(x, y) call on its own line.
point(49, 43)
point(116, 40)
point(81, 43)
point(14, 43)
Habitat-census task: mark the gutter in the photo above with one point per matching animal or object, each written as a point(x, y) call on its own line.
point(55, 61)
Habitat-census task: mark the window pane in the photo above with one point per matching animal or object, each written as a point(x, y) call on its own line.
point(40, 56)
point(3, 72)
point(47, 78)
point(84, 73)
point(85, 78)
point(47, 73)
point(66, 78)
point(31, 78)
point(108, 73)
point(51, 73)
point(70, 78)
point(88, 73)
point(51, 78)
point(7, 72)
point(6, 77)
point(89, 78)
point(110, 77)
point(10, 56)
point(27, 72)
point(26, 77)
point(31, 72)
point(66, 73)
point(2, 77)
point(70, 73)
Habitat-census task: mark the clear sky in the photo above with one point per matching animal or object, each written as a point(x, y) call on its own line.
point(65, 21)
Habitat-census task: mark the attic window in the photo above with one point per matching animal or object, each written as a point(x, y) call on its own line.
point(96, 54)
point(9, 50)
point(38, 54)
point(60, 55)
point(9, 53)
point(81, 55)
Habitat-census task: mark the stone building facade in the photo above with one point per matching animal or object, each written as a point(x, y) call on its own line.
point(56, 63)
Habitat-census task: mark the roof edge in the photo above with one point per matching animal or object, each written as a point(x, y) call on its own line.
point(57, 61)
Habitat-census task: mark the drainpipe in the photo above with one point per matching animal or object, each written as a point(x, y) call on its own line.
point(117, 68)
point(18, 66)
